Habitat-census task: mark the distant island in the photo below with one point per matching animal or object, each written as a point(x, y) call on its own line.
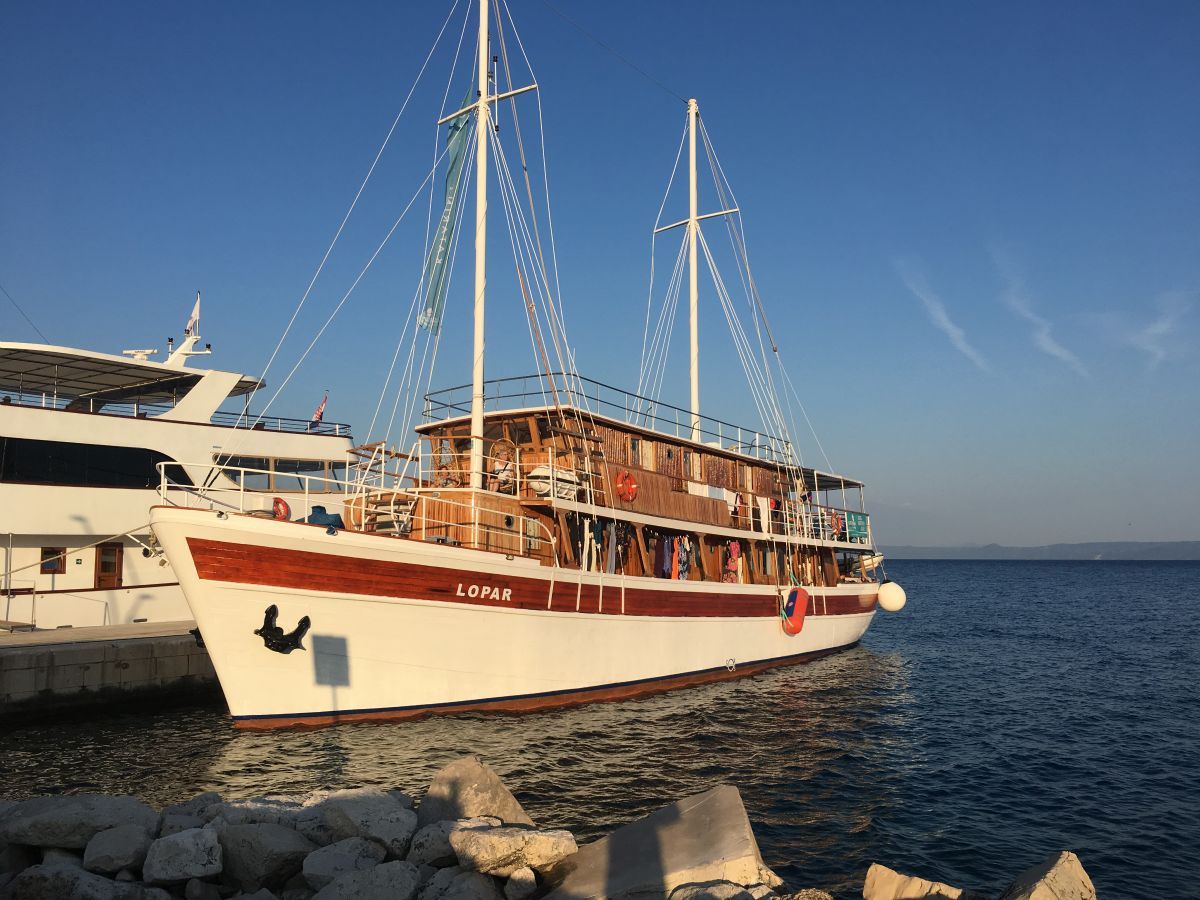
point(1101, 550)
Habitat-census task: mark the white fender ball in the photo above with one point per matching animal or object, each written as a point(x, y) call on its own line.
point(891, 597)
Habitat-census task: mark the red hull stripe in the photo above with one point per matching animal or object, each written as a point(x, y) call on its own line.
point(305, 570)
point(533, 702)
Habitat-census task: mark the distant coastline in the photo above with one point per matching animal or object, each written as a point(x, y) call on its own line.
point(1101, 550)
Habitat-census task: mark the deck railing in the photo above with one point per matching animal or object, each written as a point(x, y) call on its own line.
point(404, 509)
point(225, 418)
point(596, 397)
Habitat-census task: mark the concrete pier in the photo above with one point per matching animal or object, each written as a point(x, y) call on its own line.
point(47, 671)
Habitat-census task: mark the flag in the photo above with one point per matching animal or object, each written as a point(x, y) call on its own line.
point(194, 320)
point(319, 414)
point(437, 265)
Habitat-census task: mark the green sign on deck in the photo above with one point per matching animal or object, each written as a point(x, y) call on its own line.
point(856, 526)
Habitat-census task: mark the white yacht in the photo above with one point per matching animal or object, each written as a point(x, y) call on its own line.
point(84, 438)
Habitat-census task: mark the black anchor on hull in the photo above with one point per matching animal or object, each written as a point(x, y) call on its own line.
point(274, 637)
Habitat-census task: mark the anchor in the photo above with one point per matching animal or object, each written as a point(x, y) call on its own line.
point(274, 637)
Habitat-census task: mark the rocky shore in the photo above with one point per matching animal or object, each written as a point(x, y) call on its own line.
point(467, 839)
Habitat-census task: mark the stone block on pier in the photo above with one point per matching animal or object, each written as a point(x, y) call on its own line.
point(466, 788)
point(699, 839)
point(71, 822)
point(1058, 877)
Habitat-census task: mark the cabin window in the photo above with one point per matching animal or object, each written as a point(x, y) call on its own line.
point(250, 472)
point(635, 451)
point(255, 473)
point(54, 560)
point(670, 453)
point(83, 465)
point(298, 475)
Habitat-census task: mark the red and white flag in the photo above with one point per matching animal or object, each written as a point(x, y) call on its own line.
point(320, 412)
point(194, 319)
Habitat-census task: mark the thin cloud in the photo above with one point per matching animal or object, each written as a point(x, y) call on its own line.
point(936, 310)
point(1154, 339)
point(1014, 297)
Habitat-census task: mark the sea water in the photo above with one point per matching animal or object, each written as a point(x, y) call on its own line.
point(1011, 710)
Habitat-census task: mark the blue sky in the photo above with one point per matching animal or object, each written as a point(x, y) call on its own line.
point(976, 226)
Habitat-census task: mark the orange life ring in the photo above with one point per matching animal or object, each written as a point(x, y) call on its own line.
point(835, 523)
point(280, 509)
point(627, 486)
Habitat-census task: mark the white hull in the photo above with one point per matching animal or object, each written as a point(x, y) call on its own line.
point(394, 653)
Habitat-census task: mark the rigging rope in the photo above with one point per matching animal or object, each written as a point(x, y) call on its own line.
point(346, 218)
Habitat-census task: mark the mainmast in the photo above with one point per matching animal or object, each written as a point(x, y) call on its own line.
point(694, 290)
point(693, 226)
point(481, 158)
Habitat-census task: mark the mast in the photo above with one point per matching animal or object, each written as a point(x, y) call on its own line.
point(481, 160)
point(694, 292)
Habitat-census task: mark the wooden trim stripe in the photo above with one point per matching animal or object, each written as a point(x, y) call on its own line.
point(306, 570)
point(532, 702)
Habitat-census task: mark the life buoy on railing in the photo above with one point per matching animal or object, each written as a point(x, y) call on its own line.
point(280, 509)
point(792, 610)
point(835, 523)
point(627, 486)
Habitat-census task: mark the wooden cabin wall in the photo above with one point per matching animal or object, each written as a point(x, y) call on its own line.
point(656, 496)
point(719, 472)
point(615, 445)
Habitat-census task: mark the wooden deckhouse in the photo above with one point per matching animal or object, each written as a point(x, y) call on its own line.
point(599, 487)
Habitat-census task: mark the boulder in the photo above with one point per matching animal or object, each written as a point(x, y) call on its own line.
point(114, 849)
point(173, 823)
point(70, 822)
point(195, 853)
point(59, 882)
point(435, 886)
point(371, 814)
point(883, 883)
point(351, 855)
point(202, 806)
point(431, 844)
point(257, 811)
point(501, 851)
point(469, 787)
point(262, 854)
point(406, 800)
point(52, 856)
point(1058, 877)
point(699, 839)
point(393, 880)
point(260, 894)
point(473, 886)
point(711, 890)
point(521, 884)
point(201, 890)
point(808, 894)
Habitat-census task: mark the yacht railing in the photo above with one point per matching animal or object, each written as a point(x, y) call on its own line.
point(134, 410)
point(588, 395)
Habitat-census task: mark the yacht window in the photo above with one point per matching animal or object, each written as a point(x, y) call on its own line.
point(251, 472)
point(53, 560)
point(635, 451)
point(83, 465)
point(337, 474)
point(294, 474)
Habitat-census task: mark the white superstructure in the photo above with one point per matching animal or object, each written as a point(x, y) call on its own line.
point(81, 434)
